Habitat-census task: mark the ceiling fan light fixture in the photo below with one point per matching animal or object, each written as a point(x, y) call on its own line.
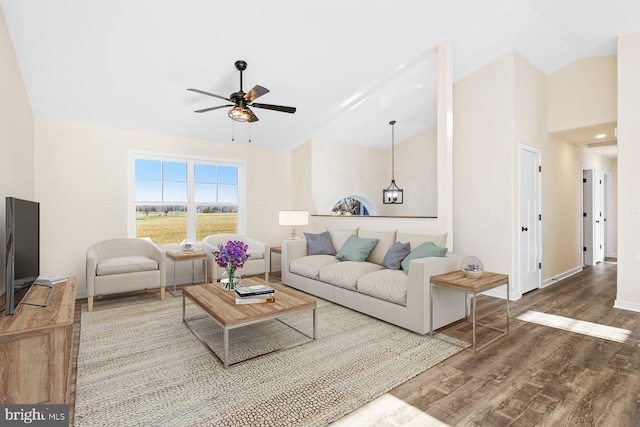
point(239, 114)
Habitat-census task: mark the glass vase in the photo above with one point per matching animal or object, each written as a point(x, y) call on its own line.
point(230, 281)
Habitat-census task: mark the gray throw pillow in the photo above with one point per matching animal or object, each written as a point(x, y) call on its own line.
point(394, 256)
point(319, 244)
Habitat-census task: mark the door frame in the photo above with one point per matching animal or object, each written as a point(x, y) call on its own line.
point(608, 206)
point(538, 152)
point(584, 167)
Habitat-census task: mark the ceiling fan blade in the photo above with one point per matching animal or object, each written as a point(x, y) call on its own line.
point(255, 92)
point(209, 94)
point(253, 117)
point(281, 108)
point(204, 110)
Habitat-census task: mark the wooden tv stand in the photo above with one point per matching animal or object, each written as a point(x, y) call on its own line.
point(36, 347)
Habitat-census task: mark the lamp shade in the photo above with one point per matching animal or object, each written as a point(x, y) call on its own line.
point(293, 218)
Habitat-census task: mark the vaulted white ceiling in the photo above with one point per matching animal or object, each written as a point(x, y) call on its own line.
point(348, 66)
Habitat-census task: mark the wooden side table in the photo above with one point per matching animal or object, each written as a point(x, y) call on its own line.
point(274, 250)
point(180, 255)
point(456, 281)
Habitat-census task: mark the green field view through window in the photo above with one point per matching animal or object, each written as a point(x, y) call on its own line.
point(170, 228)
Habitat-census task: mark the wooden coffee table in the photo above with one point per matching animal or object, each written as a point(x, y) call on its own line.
point(221, 307)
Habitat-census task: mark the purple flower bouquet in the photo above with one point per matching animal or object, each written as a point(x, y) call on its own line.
point(231, 257)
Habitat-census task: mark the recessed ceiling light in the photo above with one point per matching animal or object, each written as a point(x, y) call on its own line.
point(601, 135)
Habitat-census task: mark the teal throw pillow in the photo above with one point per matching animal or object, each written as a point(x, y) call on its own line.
point(356, 249)
point(423, 251)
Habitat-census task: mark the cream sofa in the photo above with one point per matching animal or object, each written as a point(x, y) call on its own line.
point(258, 263)
point(370, 288)
point(124, 265)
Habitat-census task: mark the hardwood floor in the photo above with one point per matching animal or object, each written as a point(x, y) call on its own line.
point(539, 375)
point(536, 375)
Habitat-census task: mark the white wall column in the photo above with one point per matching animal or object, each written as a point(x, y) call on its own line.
point(445, 137)
point(628, 295)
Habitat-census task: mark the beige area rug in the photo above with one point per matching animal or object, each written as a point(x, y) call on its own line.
point(138, 364)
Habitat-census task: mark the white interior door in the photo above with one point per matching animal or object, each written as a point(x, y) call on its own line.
point(598, 216)
point(587, 217)
point(530, 220)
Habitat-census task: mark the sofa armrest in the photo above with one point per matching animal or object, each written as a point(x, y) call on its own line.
point(292, 249)
point(92, 264)
point(418, 287)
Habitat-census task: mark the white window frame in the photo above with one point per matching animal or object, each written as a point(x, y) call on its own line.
point(132, 155)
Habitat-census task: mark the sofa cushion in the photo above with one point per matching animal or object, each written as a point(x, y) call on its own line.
point(386, 239)
point(319, 244)
point(338, 237)
point(356, 249)
point(126, 264)
point(346, 274)
point(423, 251)
point(388, 285)
point(394, 256)
point(309, 266)
point(418, 239)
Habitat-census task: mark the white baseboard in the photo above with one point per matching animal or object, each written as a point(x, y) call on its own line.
point(502, 294)
point(627, 305)
point(513, 296)
point(561, 276)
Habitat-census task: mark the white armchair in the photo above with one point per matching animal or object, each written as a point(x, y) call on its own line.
point(124, 265)
point(258, 263)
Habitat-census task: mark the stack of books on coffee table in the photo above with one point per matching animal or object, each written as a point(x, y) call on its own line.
point(257, 294)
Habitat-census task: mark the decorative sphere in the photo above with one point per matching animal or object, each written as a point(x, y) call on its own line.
point(472, 267)
point(187, 246)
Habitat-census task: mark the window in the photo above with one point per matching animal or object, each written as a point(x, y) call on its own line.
point(350, 206)
point(176, 199)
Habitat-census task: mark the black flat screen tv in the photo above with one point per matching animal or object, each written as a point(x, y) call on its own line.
point(22, 250)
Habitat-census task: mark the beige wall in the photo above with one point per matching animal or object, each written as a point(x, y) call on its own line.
point(16, 133)
point(498, 109)
point(337, 170)
point(628, 172)
point(483, 164)
point(81, 182)
point(583, 94)
point(343, 170)
point(301, 167)
point(561, 175)
point(328, 170)
point(416, 173)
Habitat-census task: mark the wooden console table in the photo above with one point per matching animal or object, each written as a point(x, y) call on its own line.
point(457, 281)
point(36, 347)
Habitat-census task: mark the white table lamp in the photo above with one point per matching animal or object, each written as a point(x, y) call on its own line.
point(293, 218)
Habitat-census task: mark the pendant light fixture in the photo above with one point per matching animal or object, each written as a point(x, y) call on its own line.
point(392, 195)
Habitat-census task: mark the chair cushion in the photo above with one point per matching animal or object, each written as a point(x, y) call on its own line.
point(310, 266)
point(255, 255)
point(127, 264)
point(345, 274)
point(388, 285)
